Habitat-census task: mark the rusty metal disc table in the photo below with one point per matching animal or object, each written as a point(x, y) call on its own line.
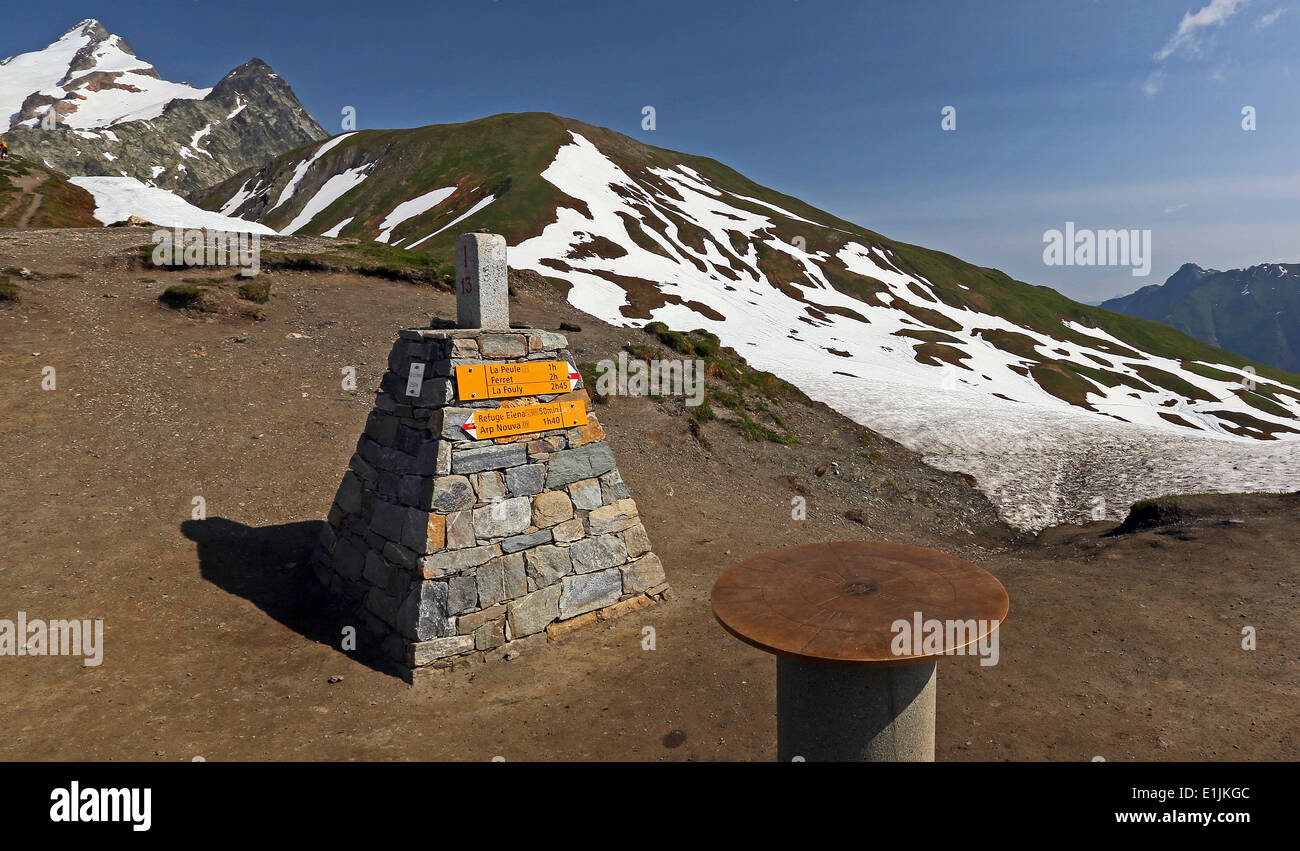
point(847, 687)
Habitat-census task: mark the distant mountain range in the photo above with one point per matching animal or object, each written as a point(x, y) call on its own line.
point(1254, 312)
point(87, 105)
point(635, 233)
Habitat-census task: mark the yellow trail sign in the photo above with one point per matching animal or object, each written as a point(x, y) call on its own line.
point(511, 380)
point(505, 422)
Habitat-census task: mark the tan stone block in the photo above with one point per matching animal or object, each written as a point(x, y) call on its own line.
point(589, 433)
point(636, 540)
point(466, 624)
point(551, 507)
point(573, 396)
point(570, 531)
point(437, 532)
point(559, 629)
point(623, 607)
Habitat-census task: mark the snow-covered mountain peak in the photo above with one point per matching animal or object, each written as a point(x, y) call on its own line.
point(89, 77)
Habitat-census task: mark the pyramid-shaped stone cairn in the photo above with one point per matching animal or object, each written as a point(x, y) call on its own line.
point(455, 545)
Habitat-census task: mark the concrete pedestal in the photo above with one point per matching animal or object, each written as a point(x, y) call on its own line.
point(834, 713)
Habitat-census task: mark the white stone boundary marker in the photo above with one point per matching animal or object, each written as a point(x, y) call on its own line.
point(482, 297)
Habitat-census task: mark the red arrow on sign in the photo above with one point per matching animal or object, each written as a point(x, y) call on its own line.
point(470, 427)
point(574, 375)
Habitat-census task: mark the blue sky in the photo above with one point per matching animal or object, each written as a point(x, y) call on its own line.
point(1108, 114)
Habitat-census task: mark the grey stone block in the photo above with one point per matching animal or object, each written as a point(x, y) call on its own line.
point(502, 519)
point(531, 613)
point(416, 491)
point(491, 581)
point(349, 560)
point(482, 297)
point(612, 487)
point(586, 494)
point(460, 530)
point(400, 556)
point(524, 542)
point(614, 517)
point(449, 424)
point(587, 592)
point(490, 635)
point(382, 606)
point(525, 480)
point(455, 561)
point(415, 532)
point(546, 565)
point(421, 653)
point(462, 594)
point(423, 614)
point(584, 462)
point(452, 493)
point(390, 486)
point(503, 345)
point(377, 569)
point(489, 486)
point(636, 540)
point(494, 457)
point(599, 553)
point(553, 342)
point(643, 574)
point(436, 392)
point(387, 520)
point(349, 493)
point(515, 580)
point(382, 427)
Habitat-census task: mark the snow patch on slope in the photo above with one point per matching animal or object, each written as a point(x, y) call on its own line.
point(119, 198)
point(300, 170)
point(937, 408)
point(412, 208)
point(332, 190)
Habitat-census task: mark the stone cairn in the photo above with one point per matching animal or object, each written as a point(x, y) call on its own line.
point(454, 549)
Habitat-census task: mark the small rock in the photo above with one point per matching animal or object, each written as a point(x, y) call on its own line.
point(334, 680)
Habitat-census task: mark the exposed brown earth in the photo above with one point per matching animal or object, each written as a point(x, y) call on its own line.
point(217, 644)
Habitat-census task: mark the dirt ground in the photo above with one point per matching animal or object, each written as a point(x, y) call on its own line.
point(219, 646)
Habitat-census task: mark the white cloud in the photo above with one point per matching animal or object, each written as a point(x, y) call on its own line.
point(1155, 80)
point(1187, 37)
point(1268, 20)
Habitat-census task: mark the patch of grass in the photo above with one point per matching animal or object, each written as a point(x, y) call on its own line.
point(589, 374)
point(8, 289)
point(258, 292)
point(645, 353)
point(674, 340)
point(703, 412)
point(728, 399)
point(755, 431)
point(202, 282)
point(181, 295)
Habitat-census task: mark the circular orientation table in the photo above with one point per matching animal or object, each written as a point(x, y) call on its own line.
point(848, 688)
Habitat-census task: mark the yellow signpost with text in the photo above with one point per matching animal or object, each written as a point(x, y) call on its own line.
point(511, 380)
point(507, 422)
